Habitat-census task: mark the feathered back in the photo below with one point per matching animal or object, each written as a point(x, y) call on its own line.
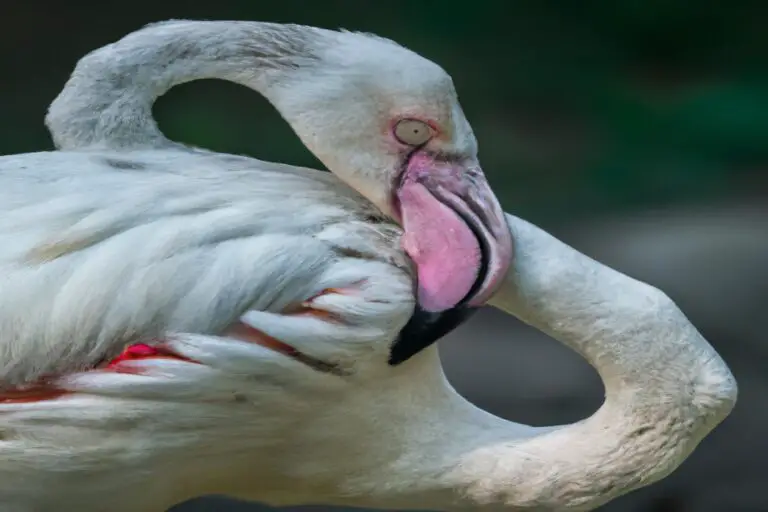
point(98, 250)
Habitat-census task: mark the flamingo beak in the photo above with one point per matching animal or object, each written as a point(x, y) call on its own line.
point(456, 233)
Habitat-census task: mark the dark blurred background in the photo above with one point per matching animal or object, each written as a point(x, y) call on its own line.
point(637, 131)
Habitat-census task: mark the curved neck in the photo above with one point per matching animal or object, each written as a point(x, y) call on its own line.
point(108, 99)
point(638, 340)
point(666, 388)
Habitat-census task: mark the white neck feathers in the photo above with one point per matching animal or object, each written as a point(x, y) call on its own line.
point(108, 100)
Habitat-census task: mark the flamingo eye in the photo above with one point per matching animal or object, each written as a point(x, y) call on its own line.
point(413, 132)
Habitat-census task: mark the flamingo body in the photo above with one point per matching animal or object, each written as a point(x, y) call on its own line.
point(177, 322)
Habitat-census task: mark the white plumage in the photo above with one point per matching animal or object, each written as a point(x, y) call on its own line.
point(125, 237)
point(97, 256)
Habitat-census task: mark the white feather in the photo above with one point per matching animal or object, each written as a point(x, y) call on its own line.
point(187, 244)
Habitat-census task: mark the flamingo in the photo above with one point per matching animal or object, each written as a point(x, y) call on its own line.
point(178, 322)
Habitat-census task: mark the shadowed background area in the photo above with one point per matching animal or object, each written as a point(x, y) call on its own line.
point(635, 131)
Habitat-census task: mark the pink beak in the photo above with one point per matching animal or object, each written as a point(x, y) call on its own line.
point(455, 232)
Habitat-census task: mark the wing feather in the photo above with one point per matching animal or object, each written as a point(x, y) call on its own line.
point(94, 258)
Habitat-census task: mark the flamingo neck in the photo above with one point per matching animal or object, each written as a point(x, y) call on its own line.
point(641, 344)
point(666, 389)
point(108, 100)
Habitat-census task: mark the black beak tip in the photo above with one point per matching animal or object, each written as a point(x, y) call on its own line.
point(424, 328)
